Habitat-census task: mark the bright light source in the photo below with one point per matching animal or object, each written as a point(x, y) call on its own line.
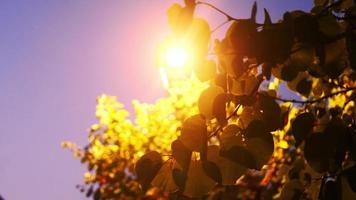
point(176, 57)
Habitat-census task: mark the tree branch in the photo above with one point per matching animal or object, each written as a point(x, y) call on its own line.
point(315, 100)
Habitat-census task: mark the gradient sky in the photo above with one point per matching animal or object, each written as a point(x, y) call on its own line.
point(56, 57)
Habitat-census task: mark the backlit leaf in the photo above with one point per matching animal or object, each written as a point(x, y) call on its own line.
point(198, 183)
point(231, 136)
point(194, 133)
point(230, 171)
point(206, 101)
point(147, 167)
point(164, 178)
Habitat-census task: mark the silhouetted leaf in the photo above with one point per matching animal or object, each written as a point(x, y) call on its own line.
point(301, 58)
point(206, 101)
point(179, 177)
point(244, 86)
point(292, 85)
point(261, 148)
point(348, 184)
point(256, 129)
point(320, 2)
point(268, 20)
point(254, 11)
point(306, 28)
point(329, 26)
point(270, 111)
point(289, 72)
point(231, 136)
point(293, 189)
point(302, 126)
point(326, 151)
point(304, 87)
point(194, 133)
point(212, 170)
point(181, 153)
point(240, 155)
point(147, 167)
point(164, 178)
point(350, 175)
point(219, 107)
point(230, 171)
point(198, 183)
point(221, 80)
point(241, 36)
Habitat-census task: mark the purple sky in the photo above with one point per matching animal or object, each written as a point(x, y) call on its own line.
point(56, 57)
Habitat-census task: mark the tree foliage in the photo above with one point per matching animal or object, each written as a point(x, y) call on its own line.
point(230, 135)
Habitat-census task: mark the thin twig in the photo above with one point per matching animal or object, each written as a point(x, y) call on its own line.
point(219, 26)
point(315, 100)
point(260, 79)
point(229, 17)
point(229, 117)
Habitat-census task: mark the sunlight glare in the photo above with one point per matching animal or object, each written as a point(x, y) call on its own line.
point(176, 57)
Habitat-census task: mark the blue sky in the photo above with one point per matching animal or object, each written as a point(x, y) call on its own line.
point(56, 57)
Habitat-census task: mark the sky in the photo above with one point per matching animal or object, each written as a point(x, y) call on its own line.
point(57, 56)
